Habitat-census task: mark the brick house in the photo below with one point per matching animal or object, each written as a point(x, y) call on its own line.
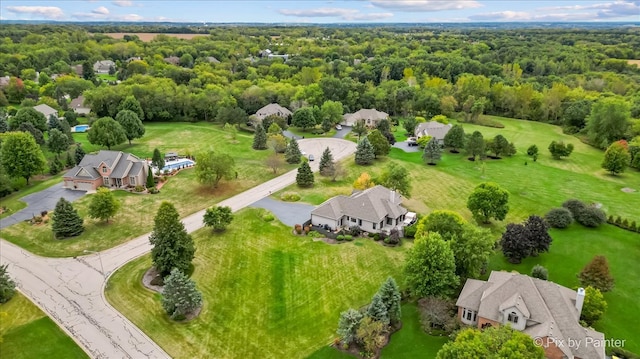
point(107, 168)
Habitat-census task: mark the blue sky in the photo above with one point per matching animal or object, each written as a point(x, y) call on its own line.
point(302, 11)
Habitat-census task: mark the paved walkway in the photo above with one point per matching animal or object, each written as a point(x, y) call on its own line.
point(71, 290)
point(289, 213)
point(44, 200)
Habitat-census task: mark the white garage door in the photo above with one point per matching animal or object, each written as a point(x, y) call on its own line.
point(84, 186)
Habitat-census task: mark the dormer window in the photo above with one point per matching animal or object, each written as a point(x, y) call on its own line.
point(104, 169)
point(513, 317)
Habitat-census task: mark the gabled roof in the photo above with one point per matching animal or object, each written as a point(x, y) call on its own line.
point(548, 307)
point(212, 60)
point(365, 114)
point(46, 110)
point(373, 205)
point(272, 109)
point(172, 60)
point(77, 102)
point(121, 164)
point(434, 129)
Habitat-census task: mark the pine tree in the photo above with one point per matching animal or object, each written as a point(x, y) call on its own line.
point(4, 125)
point(7, 286)
point(390, 294)
point(432, 152)
point(180, 295)
point(65, 221)
point(304, 178)
point(172, 246)
point(364, 152)
point(292, 154)
point(150, 182)
point(79, 154)
point(378, 310)
point(596, 274)
point(348, 325)
point(260, 139)
point(70, 162)
point(537, 233)
point(326, 163)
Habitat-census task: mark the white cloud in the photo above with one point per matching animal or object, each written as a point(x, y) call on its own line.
point(123, 3)
point(101, 11)
point(425, 5)
point(600, 11)
point(47, 12)
point(342, 13)
point(82, 16)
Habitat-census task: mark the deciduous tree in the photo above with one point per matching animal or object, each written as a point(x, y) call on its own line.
point(130, 103)
point(363, 182)
point(558, 149)
point(537, 233)
point(78, 154)
point(58, 141)
point(21, 156)
point(274, 162)
point(106, 132)
point(218, 217)
point(359, 128)
point(498, 342)
point(616, 158)
point(455, 138)
point(471, 250)
point(380, 144)
point(103, 205)
point(212, 167)
point(430, 267)
point(172, 246)
point(371, 334)
point(608, 121)
point(488, 200)
point(304, 118)
point(596, 274)
point(475, 145)
point(180, 295)
point(447, 223)
point(499, 146)
point(131, 124)
point(65, 221)
point(515, 243)
point(30, 115)
point(37, 134)
point(397, 178)
point(594, 305)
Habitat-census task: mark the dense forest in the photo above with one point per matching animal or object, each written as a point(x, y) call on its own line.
point(548, 75)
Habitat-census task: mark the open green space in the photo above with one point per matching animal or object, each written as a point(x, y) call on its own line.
point(137, 211)
point(309, 134)
point(27, 333)
point(267, 292)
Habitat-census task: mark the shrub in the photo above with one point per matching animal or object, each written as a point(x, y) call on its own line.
point(596, 274)
point(340, 237)
point(618, 221)
point(376, 237)
point(575, 206)
point(37, 219)
point(559, 217)
point(268, 217)
point(591, 217)
point(410, 231)
point(394, 237)
point(298, 228)
point(633, 227)
point(625, 223)
point(138, 189)
point(348, 237)
point(153, 190)
point(355, 231)
point(290, 197)
point(539, 272)
point(44, 213)
point(315, 234)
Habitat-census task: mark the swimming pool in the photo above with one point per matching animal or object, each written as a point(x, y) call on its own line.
point(80, 128)
point(181, 163)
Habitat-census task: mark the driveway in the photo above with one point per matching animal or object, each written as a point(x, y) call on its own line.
point(44, 200)
point(287, 212)
point(404, 145)
point(342, 133)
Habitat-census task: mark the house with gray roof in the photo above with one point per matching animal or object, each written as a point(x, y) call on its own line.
point(77, 104)
point(434, 129)
point(373, 210)
point(103, 66)
point(272, 109)
point(370, 116)
point(46, 110)
point(546, 311)
point(107, 168)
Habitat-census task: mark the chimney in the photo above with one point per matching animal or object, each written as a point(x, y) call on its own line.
point(392, 196)
point(580, 300)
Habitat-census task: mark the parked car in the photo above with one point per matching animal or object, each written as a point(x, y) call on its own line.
point(311, 158)
point(410, 218)
point(338, 127)
point(412, 141)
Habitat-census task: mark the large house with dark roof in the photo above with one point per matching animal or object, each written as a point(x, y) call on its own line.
point(107, 168)
point(544, 310)
point(373, 210)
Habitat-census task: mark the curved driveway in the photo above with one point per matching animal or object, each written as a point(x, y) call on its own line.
point(71, 290)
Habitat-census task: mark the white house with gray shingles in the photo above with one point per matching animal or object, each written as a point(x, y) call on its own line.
point(103, 66)
point(107, 168)
point(46, 110)
point(370, 116)
point(544, 310)
point(434, 129)
point(272, 109)
point(373, 210)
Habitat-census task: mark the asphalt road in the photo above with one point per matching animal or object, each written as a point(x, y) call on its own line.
point(71, 290)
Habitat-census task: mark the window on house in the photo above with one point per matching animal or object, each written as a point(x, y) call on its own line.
point(104, 169)
point(374, 225)
point(132, 181)
point(360, 222)
point(390, 221)
point(105, 180)
point(353, 220)
point(513, 318)
point(381, 224)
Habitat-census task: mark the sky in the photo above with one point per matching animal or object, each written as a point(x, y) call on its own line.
point(312, 11)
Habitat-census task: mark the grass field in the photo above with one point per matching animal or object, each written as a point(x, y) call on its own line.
point(27, 333)
point(137, 211)
point(267, 293)
point(148, 36)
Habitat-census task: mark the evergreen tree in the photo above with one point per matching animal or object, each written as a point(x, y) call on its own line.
point(172, 246)
point(292, 154)
point(596, 274)
point(7, 286)
point(69, 161)
point(539, 272)
point(515, 244)
point(180, 295)
point(53, 122)
point(432, 152)
point(377, 310)
point(150, 182)
point(537, 233)
point(79, 154)
point(260, 139)
point(326, 163)
point(304, 178)
point(364, 152)
point(455, 138)
point(65, 221)
point(103, 205)
point(390, 294)
point(157, 160)
point(348, 325)
point(55, 166)
point(4, 125)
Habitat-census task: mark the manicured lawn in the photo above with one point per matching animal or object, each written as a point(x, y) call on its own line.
point(572, 249)
point(28, 333)
point(307, 134)
point(137, 211)
point(411, 341)
point(267, 292)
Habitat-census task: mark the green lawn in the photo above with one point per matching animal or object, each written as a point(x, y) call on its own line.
point(137, 211)
point(572, 249)
point(307, 134)
point(411, 341)
point(267, 292)
point(27, 333)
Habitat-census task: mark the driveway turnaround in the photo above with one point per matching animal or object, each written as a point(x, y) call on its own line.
point(44, 200)
point(71, 290)
point(404, 145)
point(288, 213)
